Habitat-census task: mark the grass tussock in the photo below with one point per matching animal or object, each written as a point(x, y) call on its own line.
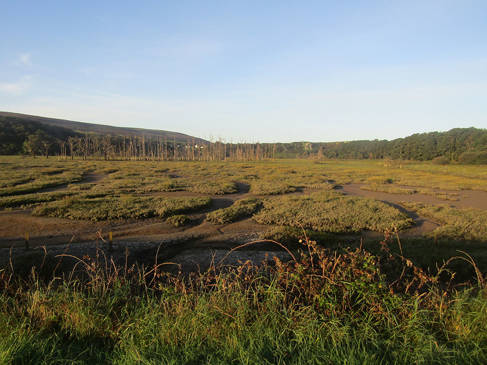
point(346, 307)
point(331, 212)
point(240, 209)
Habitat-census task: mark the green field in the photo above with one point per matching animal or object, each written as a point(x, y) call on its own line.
point(369, 277)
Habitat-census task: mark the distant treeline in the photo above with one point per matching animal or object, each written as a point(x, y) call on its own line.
point(467, 145)
point(464, 145)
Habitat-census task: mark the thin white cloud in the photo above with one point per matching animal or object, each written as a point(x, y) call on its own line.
point(17, 87)
point(25, 59)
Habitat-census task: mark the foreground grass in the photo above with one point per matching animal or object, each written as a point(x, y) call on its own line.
point(322, 307)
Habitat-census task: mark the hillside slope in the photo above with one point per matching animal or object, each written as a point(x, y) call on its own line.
point(82, 127)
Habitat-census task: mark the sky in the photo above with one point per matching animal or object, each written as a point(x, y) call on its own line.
point(249, 71)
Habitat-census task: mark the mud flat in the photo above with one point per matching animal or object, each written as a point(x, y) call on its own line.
point(184, 253)
point(466, 198)
point(201, 259)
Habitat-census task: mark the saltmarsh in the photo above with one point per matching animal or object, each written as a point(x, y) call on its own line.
point(466, 224)
point(271, 187)
point(393, 189)
point(100, 190)
point(30, 199)
point(330, 211)
point(37, 181)
point(240, 209)
point(120, 207)
point(20, 172)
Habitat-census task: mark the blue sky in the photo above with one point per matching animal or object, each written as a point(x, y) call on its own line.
point(250, 70)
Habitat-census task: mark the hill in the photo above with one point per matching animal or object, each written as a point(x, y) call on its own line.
point(19, 125)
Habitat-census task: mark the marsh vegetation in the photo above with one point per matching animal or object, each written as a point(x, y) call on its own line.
point(346, 276)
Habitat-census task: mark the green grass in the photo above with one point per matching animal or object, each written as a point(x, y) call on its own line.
point(325, 307)
point(331, 212)
point(240, 209)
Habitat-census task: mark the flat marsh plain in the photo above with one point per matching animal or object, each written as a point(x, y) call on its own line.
point(273, 261)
